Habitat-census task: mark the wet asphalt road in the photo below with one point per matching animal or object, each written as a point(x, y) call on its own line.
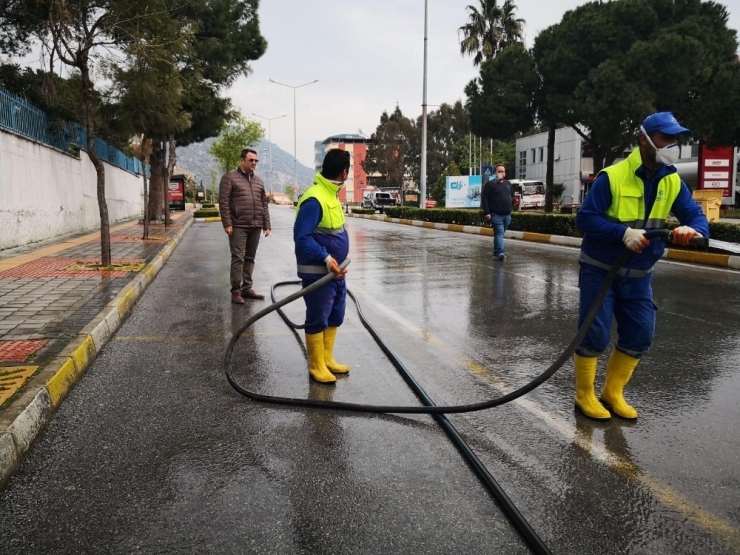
point(153, 452)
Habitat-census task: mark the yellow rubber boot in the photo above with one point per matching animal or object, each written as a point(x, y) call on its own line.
point(585, 370)
point(330, 335)
point(316, 366)
point(618, 373)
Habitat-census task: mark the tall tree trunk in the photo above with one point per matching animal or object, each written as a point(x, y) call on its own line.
point(599, 155)
point(87, 94)
point(550, 172)
point(171, 159)
point(145, 236)
point(156, 182)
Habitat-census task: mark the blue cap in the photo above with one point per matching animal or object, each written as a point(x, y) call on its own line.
point(665, 123)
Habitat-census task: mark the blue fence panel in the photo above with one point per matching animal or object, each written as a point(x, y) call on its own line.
point(18, 116)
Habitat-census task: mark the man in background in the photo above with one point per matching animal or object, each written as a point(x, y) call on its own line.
point(244, 211)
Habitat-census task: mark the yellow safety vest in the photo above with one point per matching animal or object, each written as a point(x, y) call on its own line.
point(628, 194)
point(323, 190)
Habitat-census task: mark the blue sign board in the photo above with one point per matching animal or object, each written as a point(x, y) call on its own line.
point(463, 191)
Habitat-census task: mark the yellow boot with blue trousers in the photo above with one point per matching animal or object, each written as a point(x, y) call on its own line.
point(316, 365)
point(585, 371)
point(618, 373)
point(330, 336)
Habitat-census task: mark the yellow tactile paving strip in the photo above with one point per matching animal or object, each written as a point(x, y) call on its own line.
point(12, 378)
point(15, 261)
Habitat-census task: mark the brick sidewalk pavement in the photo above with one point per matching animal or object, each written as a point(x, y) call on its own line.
point(52, 301)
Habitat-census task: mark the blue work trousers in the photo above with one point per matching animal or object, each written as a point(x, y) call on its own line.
point(629, 300)
point(325, 306)
point(500, 225)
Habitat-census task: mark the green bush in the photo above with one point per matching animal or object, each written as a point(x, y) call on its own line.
point(208, 205)
point(206, 213)
point(363, 211)
point(549, 224)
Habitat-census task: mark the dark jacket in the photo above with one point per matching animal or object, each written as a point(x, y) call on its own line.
point(497, 198)
point(242, 201)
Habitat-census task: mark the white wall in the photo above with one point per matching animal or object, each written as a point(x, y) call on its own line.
point(44, 193)
point(567, 168)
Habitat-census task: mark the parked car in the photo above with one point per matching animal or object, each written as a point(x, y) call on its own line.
point(378, 200)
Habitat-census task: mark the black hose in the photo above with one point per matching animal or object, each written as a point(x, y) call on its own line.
point(454, 409)
point(511, 511)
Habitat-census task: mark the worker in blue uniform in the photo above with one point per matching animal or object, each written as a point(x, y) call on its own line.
point(625, 200)
point(321, 244)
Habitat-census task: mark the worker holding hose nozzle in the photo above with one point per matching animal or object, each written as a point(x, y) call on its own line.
point(626, 200)
point(321, 244)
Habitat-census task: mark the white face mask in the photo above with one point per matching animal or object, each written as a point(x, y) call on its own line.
point(500, 176)
point(668, 155)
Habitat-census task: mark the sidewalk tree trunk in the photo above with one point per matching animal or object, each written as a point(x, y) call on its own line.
point(549, 175)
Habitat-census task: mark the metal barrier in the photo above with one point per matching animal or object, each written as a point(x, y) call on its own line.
point(22, 118)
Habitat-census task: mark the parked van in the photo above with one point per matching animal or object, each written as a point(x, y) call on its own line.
point(378, 200)
point(531, 193)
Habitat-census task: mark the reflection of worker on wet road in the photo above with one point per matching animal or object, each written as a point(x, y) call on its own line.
point(626, 199)
point(321, 243)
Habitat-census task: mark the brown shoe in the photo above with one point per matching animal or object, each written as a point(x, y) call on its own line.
point(236, 297)
point(251, 294)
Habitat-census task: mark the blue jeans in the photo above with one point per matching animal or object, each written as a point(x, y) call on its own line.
point(629, 301)
point(500, 225)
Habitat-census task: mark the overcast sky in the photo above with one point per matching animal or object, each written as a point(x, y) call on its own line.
point(368, 57)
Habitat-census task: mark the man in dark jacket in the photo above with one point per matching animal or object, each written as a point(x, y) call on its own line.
point(244, 214)
point(497, 202)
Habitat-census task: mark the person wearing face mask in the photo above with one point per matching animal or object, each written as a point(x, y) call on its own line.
point(626, 200)
point(321, 244)
point(497, 202)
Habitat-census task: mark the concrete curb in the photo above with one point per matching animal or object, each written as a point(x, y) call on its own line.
point(209, 219)
point(24, 420)
point(695, 257)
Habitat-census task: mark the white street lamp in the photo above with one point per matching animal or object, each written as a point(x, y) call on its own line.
point(269, 140)
point(295, 158)
point(423, 183)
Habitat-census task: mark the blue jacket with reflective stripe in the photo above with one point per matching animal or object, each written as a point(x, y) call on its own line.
point(311, 245)
point(602, 238)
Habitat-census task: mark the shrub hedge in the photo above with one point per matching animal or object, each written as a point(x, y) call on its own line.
point(206, 213)
point(552, 224)
point(363, 211)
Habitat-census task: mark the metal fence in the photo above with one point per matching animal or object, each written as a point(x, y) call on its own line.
point(22, 118)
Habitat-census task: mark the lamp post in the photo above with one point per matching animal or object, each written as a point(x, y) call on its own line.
point(295, 134)
point(423, 180)
point(269, 140)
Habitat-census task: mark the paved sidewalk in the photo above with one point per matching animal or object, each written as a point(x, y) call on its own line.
point(57, 310)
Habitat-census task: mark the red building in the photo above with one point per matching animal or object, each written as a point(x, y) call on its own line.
point(357, 147)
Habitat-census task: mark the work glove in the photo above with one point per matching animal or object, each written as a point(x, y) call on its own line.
point(682, 235)
point(634, 239)
point(333, 266)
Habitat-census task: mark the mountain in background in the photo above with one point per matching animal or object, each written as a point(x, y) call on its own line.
point(196, 158)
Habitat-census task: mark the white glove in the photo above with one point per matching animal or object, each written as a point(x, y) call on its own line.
point(682, 235)
point(332, 265)
point(634, 239)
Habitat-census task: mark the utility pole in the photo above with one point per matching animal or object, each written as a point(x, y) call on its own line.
point(423, 180)
point(295, 134)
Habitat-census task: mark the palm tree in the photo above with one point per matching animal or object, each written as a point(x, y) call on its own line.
point(512, 27)
point(490, 29)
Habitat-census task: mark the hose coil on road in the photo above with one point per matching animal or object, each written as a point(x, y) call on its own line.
point(535, 543)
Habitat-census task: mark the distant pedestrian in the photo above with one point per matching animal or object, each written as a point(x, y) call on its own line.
point(497, 202)
point(244, 214)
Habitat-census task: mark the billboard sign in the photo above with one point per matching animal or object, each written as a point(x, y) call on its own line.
point(463, 191)
point(716, 168)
